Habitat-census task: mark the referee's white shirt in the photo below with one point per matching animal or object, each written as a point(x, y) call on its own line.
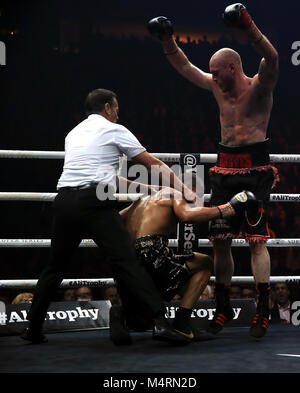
point(93, 149)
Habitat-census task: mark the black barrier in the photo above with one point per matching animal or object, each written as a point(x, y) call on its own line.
point(70, 316)
point(61, 316)
point(203, 312)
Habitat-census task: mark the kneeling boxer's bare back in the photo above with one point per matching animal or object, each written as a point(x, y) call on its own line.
point(150, 221)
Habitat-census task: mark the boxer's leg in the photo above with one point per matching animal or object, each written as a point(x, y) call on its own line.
point(223, 261)
point(201, 266)
point(260, 262)
point(224, 266)
point(257, 234)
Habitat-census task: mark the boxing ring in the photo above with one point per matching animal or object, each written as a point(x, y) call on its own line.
point(166, 157)
point(231, 351)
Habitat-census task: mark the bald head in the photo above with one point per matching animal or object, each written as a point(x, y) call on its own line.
point(226, 56)
point(226, 69)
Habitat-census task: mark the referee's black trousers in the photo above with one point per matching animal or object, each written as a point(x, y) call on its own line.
point(79, 214)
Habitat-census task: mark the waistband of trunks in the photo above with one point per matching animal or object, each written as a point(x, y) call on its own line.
point(150, 241)
point(246, 171)
point(246, 156)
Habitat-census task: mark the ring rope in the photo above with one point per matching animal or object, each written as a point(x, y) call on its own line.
point(102, 282)
point(45, 243)
point(49, 197)
point(168, 157)
point(207, 158)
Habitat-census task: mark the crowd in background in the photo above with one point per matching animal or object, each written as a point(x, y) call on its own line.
point(282, 296)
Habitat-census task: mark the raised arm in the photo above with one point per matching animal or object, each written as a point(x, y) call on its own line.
point(236, 15)
point(161, 28)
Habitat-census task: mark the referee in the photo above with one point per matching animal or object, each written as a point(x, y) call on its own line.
point(92, 152)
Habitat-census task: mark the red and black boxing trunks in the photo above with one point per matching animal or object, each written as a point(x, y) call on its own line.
point(239, 168)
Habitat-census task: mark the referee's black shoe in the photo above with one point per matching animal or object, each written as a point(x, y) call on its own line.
point(33, 335)
point(118, 332)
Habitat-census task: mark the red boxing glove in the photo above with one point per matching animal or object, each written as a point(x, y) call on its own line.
point(236, 15)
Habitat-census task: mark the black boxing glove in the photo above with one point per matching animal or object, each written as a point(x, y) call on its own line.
point(236, 15)
point(238, 204)
point(160, 27)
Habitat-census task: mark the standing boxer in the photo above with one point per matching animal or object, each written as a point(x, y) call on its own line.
point(245, 105)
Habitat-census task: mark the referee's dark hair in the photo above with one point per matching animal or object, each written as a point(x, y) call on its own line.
point(96, 100)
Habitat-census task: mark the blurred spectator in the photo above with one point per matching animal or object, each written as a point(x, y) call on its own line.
point(213, 288)
point(25, 297)
point(111, 293)
point(206, 294)
point(176, 297)
point(83, 294)
point(248, 293)
point(69, 295)
point(281, 308)
point(235, 292)
point(4, 299)
point(293, 253)
point(271, 299)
